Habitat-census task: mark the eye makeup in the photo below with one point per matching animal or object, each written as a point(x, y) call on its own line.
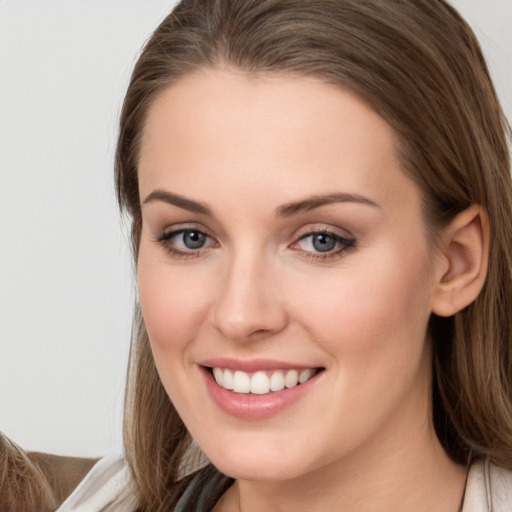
point(318, 244)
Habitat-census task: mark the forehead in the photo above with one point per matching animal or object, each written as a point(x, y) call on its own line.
point(282, 104)
point(274, 129)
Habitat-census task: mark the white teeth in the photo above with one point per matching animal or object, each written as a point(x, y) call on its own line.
point(261, 382)
point(291, 379)
point(227, 381)
point(305, 375)
point(241, 382)
point(277, 381)
point(219, 376)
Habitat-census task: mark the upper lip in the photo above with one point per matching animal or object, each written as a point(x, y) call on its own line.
point(253, 365)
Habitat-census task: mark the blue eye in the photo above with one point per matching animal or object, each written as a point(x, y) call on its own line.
point(323, 244)
point(185, 242)
point(193, 239)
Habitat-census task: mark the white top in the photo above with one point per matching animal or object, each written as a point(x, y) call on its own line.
point(488, 489)
point(108, 479)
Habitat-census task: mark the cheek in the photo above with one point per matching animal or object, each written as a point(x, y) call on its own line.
point(173, 301)
point(378, 303)
point(372, 321)
point(174, 304)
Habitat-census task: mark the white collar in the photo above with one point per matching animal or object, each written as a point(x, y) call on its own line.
point(489, 489)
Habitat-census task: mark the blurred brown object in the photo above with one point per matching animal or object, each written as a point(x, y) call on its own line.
point(62, 473)
point(37, 482)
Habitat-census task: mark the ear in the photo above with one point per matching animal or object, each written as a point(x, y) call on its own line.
point(462, 262)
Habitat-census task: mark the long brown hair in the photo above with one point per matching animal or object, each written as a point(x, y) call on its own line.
point(23, 485)
point(419, 65)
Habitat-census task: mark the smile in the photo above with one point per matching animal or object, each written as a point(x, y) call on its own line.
point(261, 382)
point(257, 390)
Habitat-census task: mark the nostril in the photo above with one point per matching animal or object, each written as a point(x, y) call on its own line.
point(247, 307)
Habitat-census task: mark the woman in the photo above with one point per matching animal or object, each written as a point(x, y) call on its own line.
point(320, 198)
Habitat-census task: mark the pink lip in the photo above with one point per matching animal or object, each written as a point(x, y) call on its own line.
point(253, 365)
point(255, 407)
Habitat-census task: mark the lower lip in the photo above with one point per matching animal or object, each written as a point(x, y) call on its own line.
point(255, 407)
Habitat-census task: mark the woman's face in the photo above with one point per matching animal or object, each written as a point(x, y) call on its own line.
point(283, 243)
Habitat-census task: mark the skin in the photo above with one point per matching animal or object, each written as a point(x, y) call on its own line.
point(244, 146)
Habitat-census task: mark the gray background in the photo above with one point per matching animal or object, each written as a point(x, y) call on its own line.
point(66, 287)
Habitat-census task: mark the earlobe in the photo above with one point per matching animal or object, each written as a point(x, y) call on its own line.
point(463, 262)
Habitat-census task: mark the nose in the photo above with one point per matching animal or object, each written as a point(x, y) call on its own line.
point(248, 306)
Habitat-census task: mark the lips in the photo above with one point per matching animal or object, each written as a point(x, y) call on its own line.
point(256, 390)
point(261, 382)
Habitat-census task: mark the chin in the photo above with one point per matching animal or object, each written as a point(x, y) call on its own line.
point(259, 463)
point(257, 471)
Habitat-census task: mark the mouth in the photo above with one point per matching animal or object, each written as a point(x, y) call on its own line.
point(262, 382)
point(258, 389)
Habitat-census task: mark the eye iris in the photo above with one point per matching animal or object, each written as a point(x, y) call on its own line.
point(194, 239)
point(323, 243)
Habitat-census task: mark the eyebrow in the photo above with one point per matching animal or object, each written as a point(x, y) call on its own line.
point(310, 203)
point(179, 201)
point(286, 210)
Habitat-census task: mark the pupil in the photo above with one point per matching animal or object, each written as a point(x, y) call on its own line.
point(324, 243)
point(193, 239)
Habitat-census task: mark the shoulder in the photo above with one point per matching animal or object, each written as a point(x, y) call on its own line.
point(107, 482)
point(489, 488)
point(109, 486)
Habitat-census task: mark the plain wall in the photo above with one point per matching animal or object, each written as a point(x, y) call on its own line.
point(66, 287)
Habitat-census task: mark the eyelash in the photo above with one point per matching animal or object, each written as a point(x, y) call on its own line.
point(164, 239)
point(344, 244)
